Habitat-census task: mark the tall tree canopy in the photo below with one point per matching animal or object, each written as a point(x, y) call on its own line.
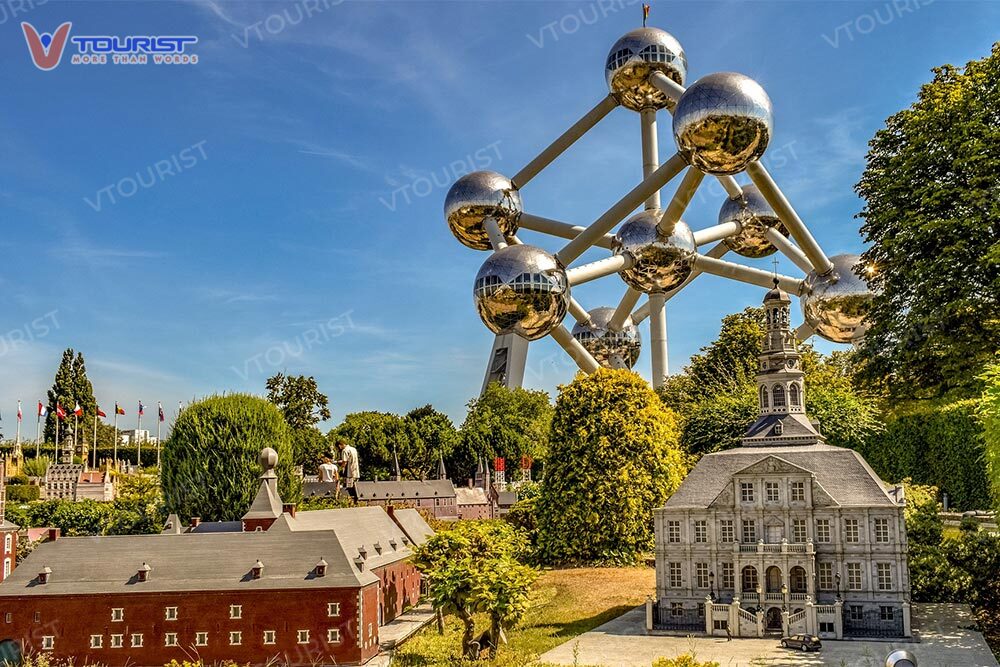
point(70, 387)
point(613, 458)
point(299, 399)
point(989, 413)
point(508, 423)
point(932, 217)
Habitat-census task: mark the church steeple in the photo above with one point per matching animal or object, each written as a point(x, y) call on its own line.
point(780, 381)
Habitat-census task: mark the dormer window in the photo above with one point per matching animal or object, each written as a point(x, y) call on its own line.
point(362, 552)
point(393, 543)
point(257, 571)
point(143, 573)
point(321, 568)
point(378, 547)
point(779, 428)
point(43, 576)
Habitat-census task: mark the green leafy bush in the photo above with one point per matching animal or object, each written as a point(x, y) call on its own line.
point(613, 458)
point(22, 493)
point(939, 444)
point(989, 414)
point(211, 463)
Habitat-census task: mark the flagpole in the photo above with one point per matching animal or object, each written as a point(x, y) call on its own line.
point(159, 421)
point(38, 432)
point(115, 447)
point(76, 427)
point(138, 440)
point(17, 441)
point(95, 441)
point(58, 449)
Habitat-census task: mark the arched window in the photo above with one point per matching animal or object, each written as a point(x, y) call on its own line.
point(763, 397)
point(779, 396)
point(6, 543)
point(797, 578)
point(748, 578)
point(793, 395)
point(6, 568)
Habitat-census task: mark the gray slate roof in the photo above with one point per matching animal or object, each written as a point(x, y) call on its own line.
point(267, 503)
point(210, 562)
point(314, 489)
point(414, 525)
point(471, 496)
point(405, 490)
point(843, 473)
point(795, 429)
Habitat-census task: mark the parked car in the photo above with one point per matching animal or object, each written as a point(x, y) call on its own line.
point(802, 642)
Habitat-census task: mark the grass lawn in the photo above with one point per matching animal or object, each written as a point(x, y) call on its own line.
point(565, 603)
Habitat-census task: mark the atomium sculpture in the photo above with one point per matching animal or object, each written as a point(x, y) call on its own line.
point(722, 125)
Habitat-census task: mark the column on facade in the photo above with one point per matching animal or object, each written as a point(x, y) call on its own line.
point(907, 632)
point(709, 616)
point(649, 612)
point(734, 616)
point(838, 619)
point(812, 627)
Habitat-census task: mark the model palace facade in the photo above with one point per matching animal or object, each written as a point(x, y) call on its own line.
point(785, 533)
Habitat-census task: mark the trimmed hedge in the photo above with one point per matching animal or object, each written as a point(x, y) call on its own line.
point(125, 453)
point(937, 444)
point(22, 493)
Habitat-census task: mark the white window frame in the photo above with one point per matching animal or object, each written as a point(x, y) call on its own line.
point(170, 613)
point(823, 531)
point(673, 532)
point(674, 575)
point(747, 492)
point(883, 573)
point(727, 532)
point(270, 637)
point(302, 636)
point(824, 576)
point(799, 530)
point(48, 642)
point(333, 635)
point(752, 523)
point(6, 567)
point(852, 570)
point(201, 639)
point(772, 492)
point(133, 641)
point(235, 612)
point(170, 639)
point(117, 641)
point(235, 638)
point(881, 528)
point(701, 575)
point(6, 543)
point(117, 614)
point(700, 531)
point(728, 579)
point(852, 531)
point(96, 641)
point(797, 492)
point(332, 609)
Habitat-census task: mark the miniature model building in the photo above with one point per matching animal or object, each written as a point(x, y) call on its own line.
point(8, 531)
point(301, 588)
point(785, 533)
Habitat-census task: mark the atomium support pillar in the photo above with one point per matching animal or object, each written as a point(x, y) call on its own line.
point(650, 152)
point(508, 359)
point(658, 337)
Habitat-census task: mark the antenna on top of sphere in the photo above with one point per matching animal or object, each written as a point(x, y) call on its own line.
point(645, 14)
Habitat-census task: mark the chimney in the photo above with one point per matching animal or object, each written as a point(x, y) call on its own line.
point(43, 576)
point(289, 509)
point(321, 568)
point(257, 570)
point(391, 511)
point(143, 573)
point(54, 534)
point(195, 521)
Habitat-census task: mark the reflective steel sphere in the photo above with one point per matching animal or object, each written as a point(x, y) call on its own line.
point(901, 658)
point(754, 215)
point(836, 305)
point(611, 349)
point(634, 57)
point(723, 122)
point(661, 261)
point(521, 289)
point(480, 195)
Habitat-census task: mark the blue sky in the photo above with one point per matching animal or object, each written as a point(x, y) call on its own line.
point(300, 226)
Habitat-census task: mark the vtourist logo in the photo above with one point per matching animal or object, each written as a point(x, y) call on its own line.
point(46, 49)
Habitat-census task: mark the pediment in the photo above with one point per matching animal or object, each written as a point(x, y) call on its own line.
point(725, 499)
point(820, 496)
point(771, 465)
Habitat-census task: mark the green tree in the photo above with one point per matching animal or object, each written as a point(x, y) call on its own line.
point(62, 393)
point(614, 457)
point(719, 422)
point(299, 399)
point(507, 423)
point(69, 388)
point(730, 362)
point(474, 567)
point(376, 435)
point(932, 201)
point(989, 414)
point(211, 463)
point(437, 435)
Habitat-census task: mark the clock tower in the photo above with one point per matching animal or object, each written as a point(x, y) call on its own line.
point(780, 381)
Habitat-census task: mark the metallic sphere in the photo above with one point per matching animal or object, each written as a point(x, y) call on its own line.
point(755, 216)
point(479, 195)
point(723, 122)
point(661, 261)
point(901, 658)
point(268, 459)
point(635, 56)
point(611, 349)
point(521, 289)
point(835, 305)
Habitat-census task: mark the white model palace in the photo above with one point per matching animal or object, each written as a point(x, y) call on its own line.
point(785, 533)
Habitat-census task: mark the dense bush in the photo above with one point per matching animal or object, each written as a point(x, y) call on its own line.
point(211, 463)
point(613, 457)
point(939, 444)
point(22, 493)
point(989, 414)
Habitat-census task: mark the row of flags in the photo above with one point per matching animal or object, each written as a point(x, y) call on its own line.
point(61, 413)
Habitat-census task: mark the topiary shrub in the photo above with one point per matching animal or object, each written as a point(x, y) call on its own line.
point(613, 457)
point(210, 461)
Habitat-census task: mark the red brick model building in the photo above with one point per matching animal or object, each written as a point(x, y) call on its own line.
point(8, 531)
point(306, 588)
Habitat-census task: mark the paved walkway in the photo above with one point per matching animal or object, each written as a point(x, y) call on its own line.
point(399, 630)
point(942, 643)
